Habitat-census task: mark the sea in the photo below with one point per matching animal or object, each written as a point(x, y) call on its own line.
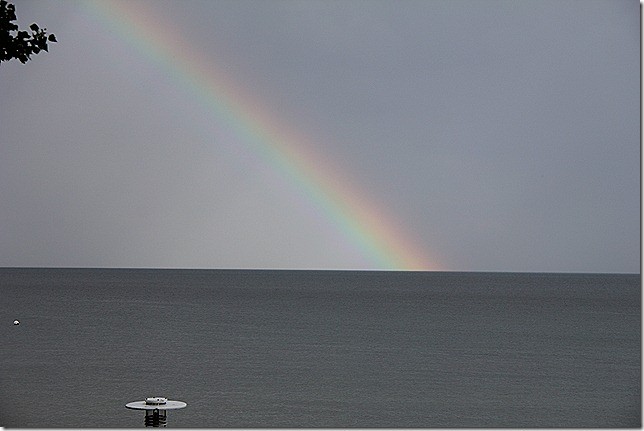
point(320, 349)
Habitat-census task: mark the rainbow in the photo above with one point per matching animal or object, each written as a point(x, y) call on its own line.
point(283, 148)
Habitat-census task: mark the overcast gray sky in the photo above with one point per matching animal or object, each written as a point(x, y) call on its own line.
point(491, 135)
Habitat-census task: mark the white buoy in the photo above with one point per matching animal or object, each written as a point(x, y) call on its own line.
point(16, 322)
point(155, 407)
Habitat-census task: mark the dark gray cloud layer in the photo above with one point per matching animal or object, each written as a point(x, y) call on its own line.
point(504, 135)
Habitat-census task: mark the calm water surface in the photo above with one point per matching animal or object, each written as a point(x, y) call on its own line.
point(327, 349)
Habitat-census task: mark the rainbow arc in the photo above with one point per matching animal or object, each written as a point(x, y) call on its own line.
point(282, 147)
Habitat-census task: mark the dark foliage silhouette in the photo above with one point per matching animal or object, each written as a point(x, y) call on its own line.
point(20, 44)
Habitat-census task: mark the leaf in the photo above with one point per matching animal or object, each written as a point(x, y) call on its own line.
point(52, 38)
point(34, 27)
